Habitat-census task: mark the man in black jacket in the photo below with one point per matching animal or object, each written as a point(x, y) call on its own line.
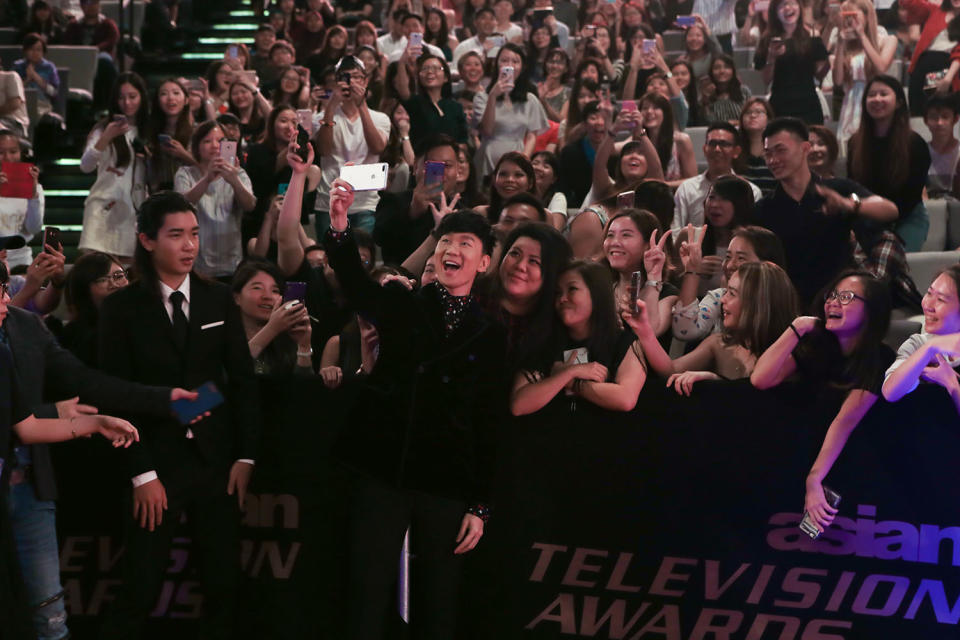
point(423, 436)
point(173, 327)
point(53, 382)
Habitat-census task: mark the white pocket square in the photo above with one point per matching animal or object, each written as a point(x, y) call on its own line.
point(211, 325)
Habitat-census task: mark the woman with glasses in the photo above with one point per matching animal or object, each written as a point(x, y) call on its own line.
point(93, 277)
point(754, 118)
point(432, 109)
point(841, 350)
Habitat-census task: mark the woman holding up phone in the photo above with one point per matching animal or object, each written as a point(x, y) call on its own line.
point(278, 331)
point(118, 156)
point(171, 125)
point(794, 61)
point(222, 192)
point(510, 114)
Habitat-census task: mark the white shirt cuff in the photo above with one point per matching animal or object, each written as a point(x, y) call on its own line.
point(247, 460)
point(143, 478)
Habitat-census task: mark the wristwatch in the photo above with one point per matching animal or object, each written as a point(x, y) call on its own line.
point(668, 75)
point(856, 204)
point(656, 284)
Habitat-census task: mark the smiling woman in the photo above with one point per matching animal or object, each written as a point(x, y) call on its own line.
point(589, 357)
point(841, 350)
point(932, 356)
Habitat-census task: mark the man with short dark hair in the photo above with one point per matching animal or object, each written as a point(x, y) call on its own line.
point(53, 381)
point(721, 147)
point(484, 23)
point(173, 327)
point(412, 23)
point(263, 40)
point(518, 209)
point(349, 131)
point(405, 219)
point(394, 39)
point(814, 216)
point(940, 114)
point(577, 158)
point(422, 438)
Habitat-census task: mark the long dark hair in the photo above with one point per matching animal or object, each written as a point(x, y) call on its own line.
point(864, 363)
point(737, 191)
point(327, 51)
point(555, 255)
point(645, 222)
point(604, 325)
point(158, 119)
point(574, 112)
point(86, 269)
point(690, 93)
point(775, 29)
point(766, 244)
point(550, 158)
point(212, 70)
point(863, 165)
point(521, 83)
point(664, 142)
point(733, 87)
point(279, 96)
point(496, 200)
point(256, 119)
point(769, 304)
point(270, 135)
point(121, 147)
point(440, 38)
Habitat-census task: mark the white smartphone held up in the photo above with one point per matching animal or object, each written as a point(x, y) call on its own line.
point(228, 150)
point(366, 177)
point(506, 74)
point(416, 39)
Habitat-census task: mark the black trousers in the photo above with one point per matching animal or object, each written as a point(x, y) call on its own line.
point(380, 516)
point(214, 519)
point(928, 62)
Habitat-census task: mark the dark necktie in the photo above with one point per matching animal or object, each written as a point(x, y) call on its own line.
point(180, 325)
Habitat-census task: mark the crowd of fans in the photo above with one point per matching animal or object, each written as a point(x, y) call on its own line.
point(541, 191)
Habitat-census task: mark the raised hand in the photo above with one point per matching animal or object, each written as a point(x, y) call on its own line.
point(691, 250)
point(297, 164)
point(445, 208)
point(634, 314)
point(942, 374)
point(654, 257)
point(341, 197)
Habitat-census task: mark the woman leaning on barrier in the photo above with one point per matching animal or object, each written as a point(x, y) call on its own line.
point(842, 348)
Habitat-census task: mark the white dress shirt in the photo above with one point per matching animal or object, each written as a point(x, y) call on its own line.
point(166, 291)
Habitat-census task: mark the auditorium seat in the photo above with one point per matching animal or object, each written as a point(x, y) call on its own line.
point(924, 265)
point(937, 233)
point(953, 224)
point(743, 57)
point(673, 40)
point(754, 80)
point(82, 62)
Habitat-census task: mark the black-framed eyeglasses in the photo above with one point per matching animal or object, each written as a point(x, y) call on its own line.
point(5, 290)
point(116, 277)
point(723, 144)
point(843, 297)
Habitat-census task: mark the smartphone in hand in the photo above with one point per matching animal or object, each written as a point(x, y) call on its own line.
point(51, 236)
point(189, 410)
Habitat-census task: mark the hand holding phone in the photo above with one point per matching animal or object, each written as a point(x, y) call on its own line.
point(295, 291)
point(51, 237)
point(366, 177)
point(209, 398)
point(228, 151)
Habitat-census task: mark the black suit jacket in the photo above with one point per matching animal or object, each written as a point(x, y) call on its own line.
point(137, 343)
point(428, 413)
point(49, 373)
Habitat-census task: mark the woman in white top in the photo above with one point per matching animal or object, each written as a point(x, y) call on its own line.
point(934, 355)
point(510, 115)
point(221, 191)
point(862, 52)
point(115, 152)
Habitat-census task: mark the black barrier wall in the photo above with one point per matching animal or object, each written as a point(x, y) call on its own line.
point(675, 521)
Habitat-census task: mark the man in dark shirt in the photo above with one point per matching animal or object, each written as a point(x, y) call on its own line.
point(405, 219)
point(576, 159)
point(813, 216)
